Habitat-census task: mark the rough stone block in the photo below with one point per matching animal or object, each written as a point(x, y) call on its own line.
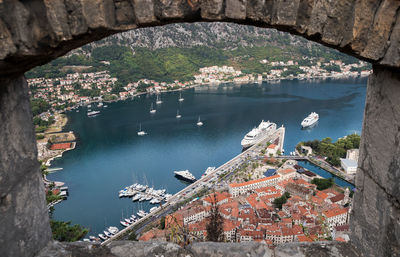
point(235, 9)
point(379, 34)
point(285, 12)
point(212, 9)
point(24, 220)
point(144, 11)
point(380, 149)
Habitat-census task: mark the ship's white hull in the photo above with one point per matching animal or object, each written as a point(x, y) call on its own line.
point(309, 124)
point(310, 120)
point(256, 134)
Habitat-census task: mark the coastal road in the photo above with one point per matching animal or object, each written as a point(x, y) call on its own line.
point(189, 192)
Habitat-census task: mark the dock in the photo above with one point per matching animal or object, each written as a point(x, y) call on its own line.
point(189, 191)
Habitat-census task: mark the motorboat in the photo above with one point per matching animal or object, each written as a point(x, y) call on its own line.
point(185, 175)
point(113, 230)
point(125, 224)
point(310, 120)
point(103, 237)
point(92, 113)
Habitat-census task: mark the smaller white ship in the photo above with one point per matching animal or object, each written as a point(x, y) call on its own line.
point(152, 110)
point(100, 104)
point(310, 120)
point(199, 123)
point(158, 101)
point(92, 113)
point(185, 175)
point(113, 230)
point(180, 97)
point(141, 132)
point(208, 171)
point(178, 116)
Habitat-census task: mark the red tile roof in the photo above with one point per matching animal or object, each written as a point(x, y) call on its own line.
point(253, 181)
point(335, 212)
point(62, 146)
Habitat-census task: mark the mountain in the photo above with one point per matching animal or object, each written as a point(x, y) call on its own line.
point(186, 35)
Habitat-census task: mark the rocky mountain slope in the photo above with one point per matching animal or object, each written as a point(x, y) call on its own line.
point(186, 35)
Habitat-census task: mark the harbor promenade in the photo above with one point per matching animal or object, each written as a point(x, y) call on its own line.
point(207, 181)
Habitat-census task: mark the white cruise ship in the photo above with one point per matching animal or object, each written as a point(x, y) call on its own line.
point(264, 129)
point(185, 175)
point(310, 120)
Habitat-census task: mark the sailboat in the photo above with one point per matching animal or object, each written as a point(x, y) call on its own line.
point(178, 116)
point(180, 97)
point(152, 110)
point(158, 101)
point(199, 123)
point(141, 132)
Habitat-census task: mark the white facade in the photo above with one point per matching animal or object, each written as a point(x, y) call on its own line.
point(349, 166)
point(243, 188)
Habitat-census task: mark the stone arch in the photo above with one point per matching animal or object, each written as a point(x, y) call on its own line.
point(35, 32)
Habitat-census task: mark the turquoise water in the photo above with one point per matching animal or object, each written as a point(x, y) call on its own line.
point(109, 154)
point(323, 173)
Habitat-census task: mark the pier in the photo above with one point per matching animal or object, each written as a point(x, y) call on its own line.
point(226, 169)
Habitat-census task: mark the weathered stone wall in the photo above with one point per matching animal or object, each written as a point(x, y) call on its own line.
point(24, 223)
point(207, 249)
point(375, 220)
point(35, 32)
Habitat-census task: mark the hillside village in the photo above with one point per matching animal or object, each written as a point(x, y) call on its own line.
point(76, 88)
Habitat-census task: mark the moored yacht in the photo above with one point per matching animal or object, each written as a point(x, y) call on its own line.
point(124, 223)
point(141, 132)
point(180, 97)
point(178, 116)
point(185, 175)
point(158, 101)
point(264, 129)
point(199, 123)
point(310, 120)
point(152, 110)
point(92, 113)
point(208, 171)
point(103, 237)
point(113, 230)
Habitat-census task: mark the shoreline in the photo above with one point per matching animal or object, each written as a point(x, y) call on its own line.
point(275, 80)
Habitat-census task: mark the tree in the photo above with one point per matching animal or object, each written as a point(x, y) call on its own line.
point(162, 222)
point(64, 231)
point(278, 202)
point(132, 236)
point(215, 225)
point(322, 183)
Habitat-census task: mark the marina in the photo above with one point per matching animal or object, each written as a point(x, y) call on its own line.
point(109, 155)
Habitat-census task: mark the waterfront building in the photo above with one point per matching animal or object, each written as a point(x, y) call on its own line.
point(287, 173)
point(336, 217)
point(219, 198)
point(349, 165)
point(236, 189)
